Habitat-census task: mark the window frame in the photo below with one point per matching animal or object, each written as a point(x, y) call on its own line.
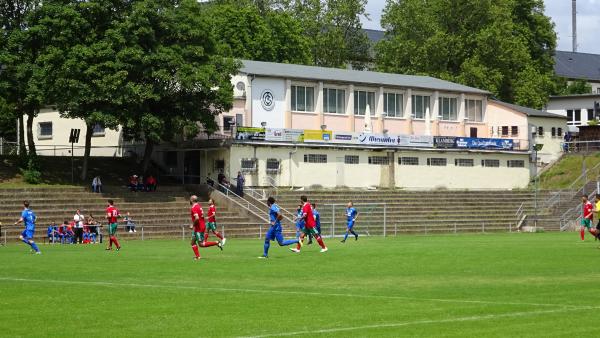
point(573, 120)
point(442, 103)
point(423, 106)
point(481, 113)
point(399, 108)
point(315, 158)
point(408, 160)
point(98, 133)
point(379, 160)
point(509, 164)
point(42, 136)
point(338, 91)
point(438, 162)
point(252, 169)
point(351, 159)
point(514, 130)
point(368, 95)
point(464, 162)
point(485, 163)
point(294, 97)
point(272, 170)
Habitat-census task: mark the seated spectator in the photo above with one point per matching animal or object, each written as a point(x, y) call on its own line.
point(130, 223)
point(87, 239)
point(93, 228)
point(97, 184)
point(66, 233)
point(53, 235)
point(133, 182)
point(150, 183)
point(140, 183)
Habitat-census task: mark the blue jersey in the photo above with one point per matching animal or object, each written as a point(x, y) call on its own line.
point(29, 219)
point(317, 218)
point(273, 211)
point(351, 213)
point(299, 219)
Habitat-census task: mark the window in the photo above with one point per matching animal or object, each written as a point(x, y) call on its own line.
point(590, 114)
point(248, 165)
point(574, 117)
point(490, 163)
point(170, 158)
point(559, 132)
point(553, 132)
point(393, 104)
point(540, 131)
point(351, 159)
point(464, 162)
point(361, 99)
point(504, 130)
point(474, 110)
point(448, 109)
point(514, 130)
point(380, 160)
point(98, 130)
point(315, 158)
point(219, 165)
point(303, 98)
point(420, 104)
point(437, 162)
point(228, 122)
point(515, 164)
point(272, 165)
point(598, 90)
point(45, 130)
point(408, 161)
point(334, 101)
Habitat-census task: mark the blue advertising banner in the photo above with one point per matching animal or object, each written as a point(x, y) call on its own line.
point(484, 143)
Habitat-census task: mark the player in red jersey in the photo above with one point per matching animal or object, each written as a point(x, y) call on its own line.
point(212, 222)
point(199, 226)
point(309, 226)
point(111, 216)
point(588, 218)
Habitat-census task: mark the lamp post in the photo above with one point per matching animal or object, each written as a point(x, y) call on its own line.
point(536, 147)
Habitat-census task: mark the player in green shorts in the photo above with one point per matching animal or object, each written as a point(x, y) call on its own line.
point(587, 219)
point(211, 226)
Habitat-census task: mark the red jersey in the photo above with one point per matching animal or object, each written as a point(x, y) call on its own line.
point(310, 218)
point(200, 226)
point(212, 211)
point(111, 214)
point(587, 210)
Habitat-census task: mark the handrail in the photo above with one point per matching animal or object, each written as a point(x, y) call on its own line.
point(247, 206)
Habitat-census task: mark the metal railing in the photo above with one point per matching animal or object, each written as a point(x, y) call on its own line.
point(8, 148)
point(244, 204)
point(580, 146)
point(573, 214)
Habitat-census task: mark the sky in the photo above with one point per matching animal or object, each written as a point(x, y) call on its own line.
point(588, 22)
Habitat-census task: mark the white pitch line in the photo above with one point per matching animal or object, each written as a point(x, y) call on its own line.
point(286, 292)
point(418, 322)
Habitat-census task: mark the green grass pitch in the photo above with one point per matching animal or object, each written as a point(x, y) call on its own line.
point(491, 285)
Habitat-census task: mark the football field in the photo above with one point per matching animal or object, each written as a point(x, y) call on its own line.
point(486, 285)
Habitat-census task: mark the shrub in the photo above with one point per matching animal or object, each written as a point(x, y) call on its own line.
point(32, 174)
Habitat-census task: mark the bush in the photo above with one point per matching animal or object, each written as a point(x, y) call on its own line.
point(32, 174)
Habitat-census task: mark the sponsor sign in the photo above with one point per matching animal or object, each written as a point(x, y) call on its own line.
point(444, 142)
point(283, 135)
point(384, 140)
point(344, 138)
point(250, 133)
point(378, 139)
point(484, 143)
point(267, 100)
point(421, 141)
point(318, 136)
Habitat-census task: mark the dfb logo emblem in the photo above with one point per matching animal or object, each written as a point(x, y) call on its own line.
point(267, 100)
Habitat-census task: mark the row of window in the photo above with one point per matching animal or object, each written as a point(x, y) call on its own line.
point(514, 131)
point(432, 161)
point(574, 116)
point(334, 102)
point(45, 130)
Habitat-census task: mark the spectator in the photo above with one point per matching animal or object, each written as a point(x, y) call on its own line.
point(93, 227)
point(53, 234)
point(97, 184)
point(129, 223)
point(78, 220)
point(140, 184)
point(568, 138)
point(150, 183)
point(239, 188)
point(133, 182)
point(67, 232)
point(223, 183)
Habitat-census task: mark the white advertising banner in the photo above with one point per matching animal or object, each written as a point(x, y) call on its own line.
point(384, 140)
point(284, 135)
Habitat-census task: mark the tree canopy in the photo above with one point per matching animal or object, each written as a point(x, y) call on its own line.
point(503, 46)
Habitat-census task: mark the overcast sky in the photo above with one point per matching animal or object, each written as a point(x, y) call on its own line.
point(588, 22)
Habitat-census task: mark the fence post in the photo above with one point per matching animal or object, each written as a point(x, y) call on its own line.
point(183, 232)
point(260, 231)
point(510, 228)
point(384, 217)
point(455, 227)
point(332, 220)
point(482, 226)
point(142, 232)
point(223, 231)
point(396, 230)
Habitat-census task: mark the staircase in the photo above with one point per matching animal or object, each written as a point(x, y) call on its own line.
point(423, 211)
point(160, 214)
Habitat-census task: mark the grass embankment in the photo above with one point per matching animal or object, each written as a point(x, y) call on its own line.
point(567, 170)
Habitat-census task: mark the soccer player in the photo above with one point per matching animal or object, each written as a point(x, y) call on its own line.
point(352, 215)
point(28, 217)
point(309, 226)
point(199, 226)
point(317, 222)
point(212, 222)
point(274, 232)
point(299, 221)
point(597, 205)
point(588, 218)
point(111, 216)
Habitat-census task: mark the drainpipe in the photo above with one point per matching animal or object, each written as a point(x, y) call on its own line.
point(292, 153)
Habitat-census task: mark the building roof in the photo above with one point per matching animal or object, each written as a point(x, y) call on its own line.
point(576, 96)
point(528, 111)
point(272, 69)
point(582, 66)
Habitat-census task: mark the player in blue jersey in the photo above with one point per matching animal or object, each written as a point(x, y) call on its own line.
point(352, 215)
point(274, 232)
point(317, 222)
point(299, 221)
point(28, 217)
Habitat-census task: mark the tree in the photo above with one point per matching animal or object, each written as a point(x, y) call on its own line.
point(21, 79)
point(503, 46)
point(174, 72)
point(565, 87)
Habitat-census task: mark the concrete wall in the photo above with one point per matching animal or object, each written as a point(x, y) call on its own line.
point(335, 173)
point(108, 144)
point(552, 144)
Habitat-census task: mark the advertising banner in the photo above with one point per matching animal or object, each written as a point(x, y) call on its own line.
point(283, 135)
point(421, 141)
point(344, 138)
point(318, 135)
point(484, 143)
point(250, 133)
point(444, 141)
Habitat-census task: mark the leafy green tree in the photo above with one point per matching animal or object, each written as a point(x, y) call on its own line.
point(503, 46)
point(174, 72)
point(565, 87)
